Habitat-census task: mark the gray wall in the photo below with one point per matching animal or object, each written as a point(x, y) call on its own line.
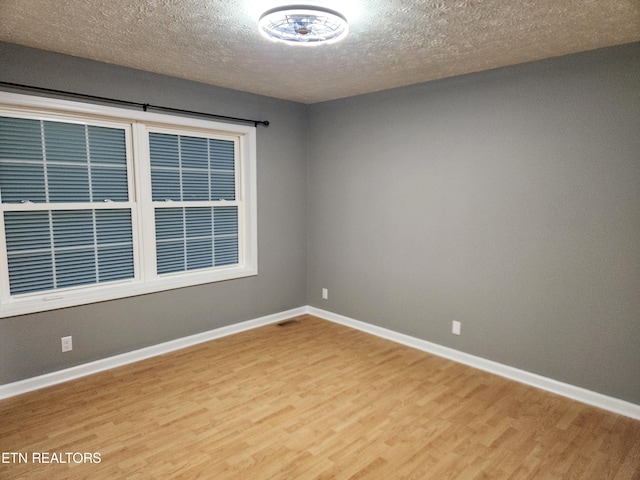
point(508, 200)
point(30, 344)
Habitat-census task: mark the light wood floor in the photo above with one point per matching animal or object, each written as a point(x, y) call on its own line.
point(312, 400)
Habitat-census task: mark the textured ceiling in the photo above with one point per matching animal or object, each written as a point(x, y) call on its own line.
point(391, 43)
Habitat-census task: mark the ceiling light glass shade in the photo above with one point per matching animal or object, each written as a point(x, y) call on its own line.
point(303, 25)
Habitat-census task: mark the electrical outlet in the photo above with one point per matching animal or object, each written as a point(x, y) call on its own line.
point(325, 293)
point(67, 343)
point(455, 327)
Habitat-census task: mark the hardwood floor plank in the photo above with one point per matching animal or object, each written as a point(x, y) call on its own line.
point(312, 400)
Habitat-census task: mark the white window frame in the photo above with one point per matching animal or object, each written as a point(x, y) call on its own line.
point(138, 125)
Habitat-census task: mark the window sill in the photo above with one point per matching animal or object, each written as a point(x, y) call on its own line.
point(54, 300)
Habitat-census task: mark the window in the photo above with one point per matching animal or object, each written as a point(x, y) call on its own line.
point(100, 203)
point(185, 170)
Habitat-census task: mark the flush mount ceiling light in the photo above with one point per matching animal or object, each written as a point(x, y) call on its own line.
point(303, 25)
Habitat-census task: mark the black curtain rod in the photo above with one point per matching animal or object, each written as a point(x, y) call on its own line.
point(143, 106)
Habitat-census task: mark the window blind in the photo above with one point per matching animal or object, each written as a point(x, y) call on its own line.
point(185, 168)
point(47, 250)
point(193, 169)
point(56, 181)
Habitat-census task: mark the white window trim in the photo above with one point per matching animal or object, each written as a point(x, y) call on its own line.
point(145, 280)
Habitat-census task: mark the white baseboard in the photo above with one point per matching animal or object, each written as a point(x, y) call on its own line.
point(41, 381)
point(579, 394)
point(566, 390)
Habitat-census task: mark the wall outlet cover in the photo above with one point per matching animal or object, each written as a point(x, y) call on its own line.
point(67, 343)
point(456, 327)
